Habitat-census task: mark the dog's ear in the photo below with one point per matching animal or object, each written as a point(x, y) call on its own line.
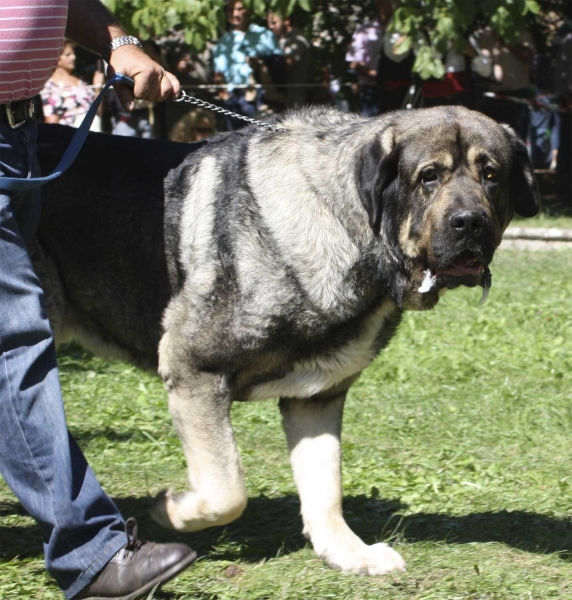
point(524, 190)
point(374, 169)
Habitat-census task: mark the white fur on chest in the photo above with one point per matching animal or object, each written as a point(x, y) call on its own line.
point(320, 373)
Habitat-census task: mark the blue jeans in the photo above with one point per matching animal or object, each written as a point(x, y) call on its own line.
point(237, 103)
point(371, 97)
point(40, 461)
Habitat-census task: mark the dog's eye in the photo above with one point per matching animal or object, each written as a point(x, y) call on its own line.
point(428, 175)
point(490, 173)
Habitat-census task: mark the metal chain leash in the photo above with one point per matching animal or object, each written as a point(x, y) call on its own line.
point(218, 109)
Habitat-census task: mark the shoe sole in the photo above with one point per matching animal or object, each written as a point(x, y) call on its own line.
point(158, 581)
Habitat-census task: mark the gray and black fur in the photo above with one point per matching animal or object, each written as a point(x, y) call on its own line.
point(273, 265)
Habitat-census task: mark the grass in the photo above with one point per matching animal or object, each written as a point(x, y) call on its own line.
point(550, 215)
point(546, 219)
point(457, 449)
point(554, 212)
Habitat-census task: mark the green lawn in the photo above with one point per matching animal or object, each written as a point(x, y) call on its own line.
point(545, 219)
point(457, 449)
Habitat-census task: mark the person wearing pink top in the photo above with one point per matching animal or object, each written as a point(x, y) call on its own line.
point(89, 548)
point(67, 98)
point(363, 57)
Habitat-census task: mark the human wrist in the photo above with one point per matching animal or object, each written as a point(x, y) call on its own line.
point(120, 42)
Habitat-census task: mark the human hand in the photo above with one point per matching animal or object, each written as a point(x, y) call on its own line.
point(152, 82)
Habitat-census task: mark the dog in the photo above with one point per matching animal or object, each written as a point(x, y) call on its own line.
point(273, 265)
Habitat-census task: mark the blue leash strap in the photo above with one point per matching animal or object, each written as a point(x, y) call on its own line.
point(17, 184)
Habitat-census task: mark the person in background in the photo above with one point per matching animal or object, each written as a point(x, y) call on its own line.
point(363, 57)
point(66, 98)
point(394, 70)
point(89, 548)
point(131, 123)
point(563, 89)
point(198, 124)
point(454, 87)
point(192, 68)
point(239, 56)
point(544, 132)
point(296, 49)
point(384, 74)
point(511, 77)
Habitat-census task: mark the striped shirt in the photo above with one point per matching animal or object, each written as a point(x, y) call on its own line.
point(31, 41)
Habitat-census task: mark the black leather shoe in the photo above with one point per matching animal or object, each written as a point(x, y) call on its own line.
point(137, 568)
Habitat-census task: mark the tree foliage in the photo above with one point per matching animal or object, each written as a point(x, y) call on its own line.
point(429, 27)
point(432, 27)
point(201, 20)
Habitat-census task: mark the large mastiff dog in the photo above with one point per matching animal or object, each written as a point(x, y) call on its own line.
point(273, 264)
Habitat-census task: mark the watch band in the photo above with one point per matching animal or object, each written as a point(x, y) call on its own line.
point(118, 42)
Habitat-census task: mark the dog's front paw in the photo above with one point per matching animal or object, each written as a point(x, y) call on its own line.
point(189, 511)
point(162, 510)
point(361, 559)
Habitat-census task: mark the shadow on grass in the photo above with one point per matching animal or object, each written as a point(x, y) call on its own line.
point(272, 526)
point(111, 434)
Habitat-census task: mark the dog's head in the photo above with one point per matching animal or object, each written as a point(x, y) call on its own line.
point(440, 186)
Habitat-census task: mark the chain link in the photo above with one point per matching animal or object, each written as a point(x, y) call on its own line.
point(218, 109)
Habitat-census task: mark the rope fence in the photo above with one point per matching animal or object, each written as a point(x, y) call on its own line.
point(338, 85)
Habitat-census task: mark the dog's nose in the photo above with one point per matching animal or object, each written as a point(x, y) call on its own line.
point(468, 223)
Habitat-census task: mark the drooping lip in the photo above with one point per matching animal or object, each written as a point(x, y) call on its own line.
point(464, 268)
point(464, 265)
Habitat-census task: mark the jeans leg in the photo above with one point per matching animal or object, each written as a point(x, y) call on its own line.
point(39, 460)
point(237, 103)
point(371, 101)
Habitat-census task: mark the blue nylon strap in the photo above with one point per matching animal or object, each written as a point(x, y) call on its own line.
point(10, 184)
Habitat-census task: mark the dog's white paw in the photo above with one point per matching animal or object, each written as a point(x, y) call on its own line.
point(188, 511)
point(160, 509)
point(361, 559)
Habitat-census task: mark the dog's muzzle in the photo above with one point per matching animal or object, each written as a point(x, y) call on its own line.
point(464, 255)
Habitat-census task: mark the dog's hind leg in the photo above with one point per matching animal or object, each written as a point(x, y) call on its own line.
point(313, 430)
point(200, 406)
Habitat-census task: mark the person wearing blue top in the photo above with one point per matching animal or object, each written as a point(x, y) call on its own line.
point(238, 55)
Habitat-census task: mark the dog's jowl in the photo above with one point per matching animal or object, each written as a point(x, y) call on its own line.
point(274, 265)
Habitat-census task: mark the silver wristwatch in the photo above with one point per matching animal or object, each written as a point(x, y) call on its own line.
point(118, 42)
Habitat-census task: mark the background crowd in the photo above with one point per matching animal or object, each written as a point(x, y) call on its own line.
point(261, 67)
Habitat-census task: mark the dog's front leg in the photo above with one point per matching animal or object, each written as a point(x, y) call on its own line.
point(313, 429)
point(200, 406)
